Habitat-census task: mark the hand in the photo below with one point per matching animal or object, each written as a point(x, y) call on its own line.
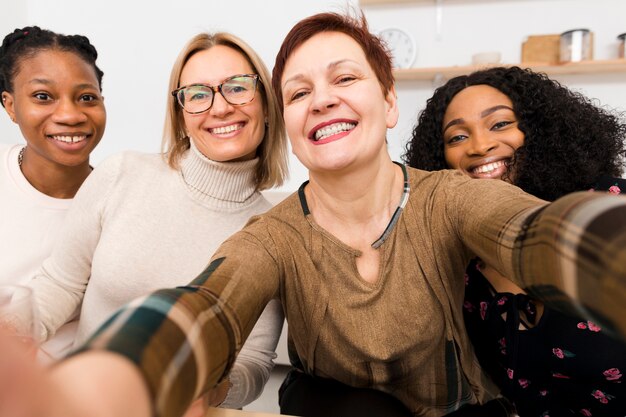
point(23, 383)
point(211, 398)
point(95, 384)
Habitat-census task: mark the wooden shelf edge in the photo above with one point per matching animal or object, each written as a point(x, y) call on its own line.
point(584, 67)
point(375, 2)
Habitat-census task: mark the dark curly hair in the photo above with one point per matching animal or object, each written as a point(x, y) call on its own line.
point(569, 141)
point(24, 43)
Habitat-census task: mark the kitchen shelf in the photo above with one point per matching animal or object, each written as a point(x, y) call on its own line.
point(573, 68)
point(371, 2)
point(384, 2)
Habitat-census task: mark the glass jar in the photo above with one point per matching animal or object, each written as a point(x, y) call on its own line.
point(621, 39)
point(575, 45)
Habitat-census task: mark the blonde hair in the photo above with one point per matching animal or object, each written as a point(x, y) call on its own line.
point(272, 152)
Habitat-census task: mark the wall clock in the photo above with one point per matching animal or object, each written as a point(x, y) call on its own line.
point(401, 45)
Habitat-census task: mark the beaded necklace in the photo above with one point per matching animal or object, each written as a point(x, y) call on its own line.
point(20, 157)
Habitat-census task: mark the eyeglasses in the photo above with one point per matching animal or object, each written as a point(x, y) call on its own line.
point(236, 90)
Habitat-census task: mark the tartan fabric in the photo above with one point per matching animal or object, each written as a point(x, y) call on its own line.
point(404, 334)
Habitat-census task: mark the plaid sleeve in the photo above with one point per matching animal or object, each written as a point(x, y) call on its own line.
point(572, 254)
point(185, 339)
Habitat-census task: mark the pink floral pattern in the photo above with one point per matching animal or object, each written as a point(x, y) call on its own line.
point(483, 309)
point(562, 366)
point(593, 327)
point(601, 396)
point(614, 189)
point(589, 325)
point(562, 353)
point(612, 374)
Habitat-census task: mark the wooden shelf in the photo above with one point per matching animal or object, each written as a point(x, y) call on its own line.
point(584, 67)
point(388, 2)
point(372, 2)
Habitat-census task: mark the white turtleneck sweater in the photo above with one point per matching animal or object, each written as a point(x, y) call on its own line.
point(137, 225)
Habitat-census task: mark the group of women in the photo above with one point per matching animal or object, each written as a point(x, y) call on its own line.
point(366, 260)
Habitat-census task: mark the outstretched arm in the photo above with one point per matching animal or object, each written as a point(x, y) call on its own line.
point(184, 340)
point(571, 253)
point(577, 245)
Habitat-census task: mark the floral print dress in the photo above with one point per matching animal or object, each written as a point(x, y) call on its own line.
point(557, 365)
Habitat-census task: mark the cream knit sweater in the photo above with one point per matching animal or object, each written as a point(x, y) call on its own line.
point(137, 225)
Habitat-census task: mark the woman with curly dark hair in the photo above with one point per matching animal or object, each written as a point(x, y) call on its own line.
point(569, 143)
point(519, 126)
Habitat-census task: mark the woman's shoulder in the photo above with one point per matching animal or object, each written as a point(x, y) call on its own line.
point(447, 180)
point(7, 149)
point(132, 163)
point(446, 177)
point(285, 218)
point(286, 208)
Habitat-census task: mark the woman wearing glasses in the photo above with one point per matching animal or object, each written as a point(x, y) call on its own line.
point(147, 221)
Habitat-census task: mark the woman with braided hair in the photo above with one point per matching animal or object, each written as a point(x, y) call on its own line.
point(51, 88)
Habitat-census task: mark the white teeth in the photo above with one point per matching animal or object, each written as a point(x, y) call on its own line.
point(69, 139)
point(483, 169)
point(333, 129)
point(226, 129)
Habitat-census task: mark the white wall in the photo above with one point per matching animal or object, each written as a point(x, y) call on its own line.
point(139, 40)
point(471, 26)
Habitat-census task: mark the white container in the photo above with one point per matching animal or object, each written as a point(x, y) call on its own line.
point(575, 45)
point(486, 58)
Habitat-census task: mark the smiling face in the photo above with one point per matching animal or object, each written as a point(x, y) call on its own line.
point(335, 111)
point(480, 132)
point(225, 132)
point(57, 104)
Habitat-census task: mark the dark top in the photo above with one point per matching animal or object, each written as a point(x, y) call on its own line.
point(558, 365)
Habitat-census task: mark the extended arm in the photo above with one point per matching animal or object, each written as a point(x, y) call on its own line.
point(184, 340)
point(571, 254)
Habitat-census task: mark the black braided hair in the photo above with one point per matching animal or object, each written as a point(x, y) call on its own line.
point(569, 140)
point(26, 42)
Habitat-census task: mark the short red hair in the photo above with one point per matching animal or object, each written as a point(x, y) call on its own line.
point(376, 52)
